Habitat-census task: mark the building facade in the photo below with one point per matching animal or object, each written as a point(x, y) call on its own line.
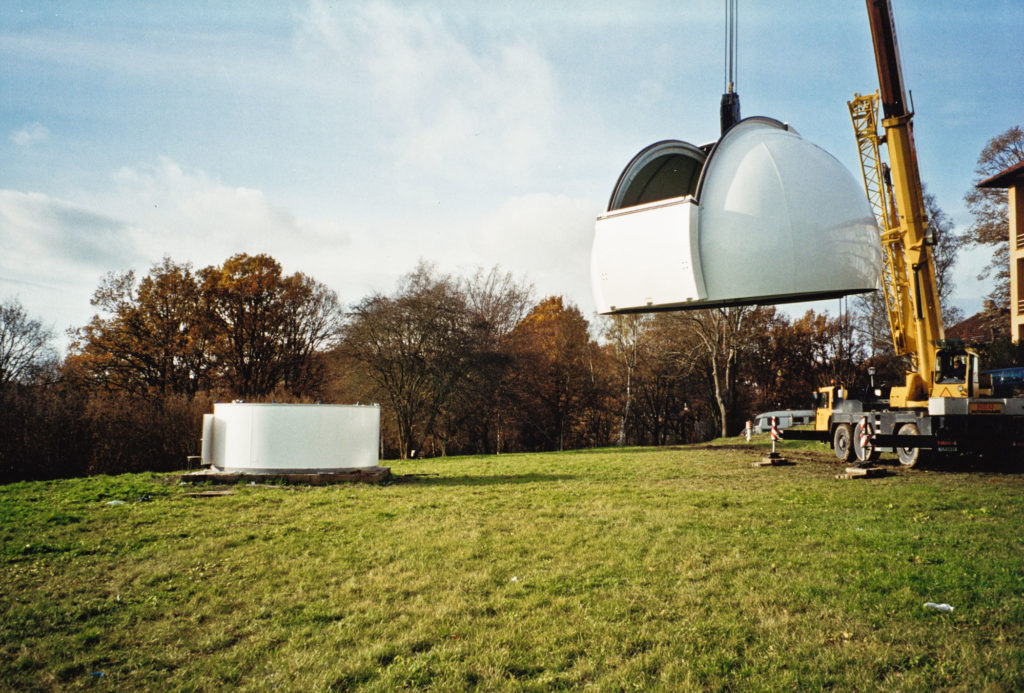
point(1012, 179)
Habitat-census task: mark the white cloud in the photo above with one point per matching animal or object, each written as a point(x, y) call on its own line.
point(30, 134)
point(55, 251)
point(540, 238)
point(37, 228)
point(59, 249)
point(547, 238)
point(451, 110)
point(191, 216)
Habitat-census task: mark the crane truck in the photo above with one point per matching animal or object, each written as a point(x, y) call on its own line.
point(945, 406)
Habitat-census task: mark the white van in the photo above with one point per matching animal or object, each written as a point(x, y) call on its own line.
point(783, 419)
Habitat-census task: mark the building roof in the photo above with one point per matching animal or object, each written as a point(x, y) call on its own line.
point(1005, 178)
point(986, 326)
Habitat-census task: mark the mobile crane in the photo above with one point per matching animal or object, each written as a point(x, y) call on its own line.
point(943, 406)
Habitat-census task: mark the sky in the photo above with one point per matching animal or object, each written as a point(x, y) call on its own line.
point(350, 140)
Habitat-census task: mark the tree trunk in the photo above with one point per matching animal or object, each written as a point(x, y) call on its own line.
point(625, 409)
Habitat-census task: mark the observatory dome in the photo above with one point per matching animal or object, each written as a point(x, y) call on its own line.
point(761, 217)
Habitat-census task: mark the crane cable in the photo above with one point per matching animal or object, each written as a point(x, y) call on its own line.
point(731, 41)
point(729, 111)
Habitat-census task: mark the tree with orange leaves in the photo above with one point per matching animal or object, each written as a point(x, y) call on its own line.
point(553, 378)
point(155, 338)
point(269, 326)
point(243, 328)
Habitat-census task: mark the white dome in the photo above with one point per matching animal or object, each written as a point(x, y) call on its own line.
point(781, 218)
point(771, 219)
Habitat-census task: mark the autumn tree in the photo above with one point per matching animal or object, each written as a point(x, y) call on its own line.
point(553, 377)
point(415, 346)
point(990, 210)
point(242, 327)
point(54, 427)
point(26, 347)
point(153, 336)
point(791, 359)
point(269, 326)
point(777, 368)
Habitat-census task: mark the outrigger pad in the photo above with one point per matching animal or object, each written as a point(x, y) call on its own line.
point(760, 217)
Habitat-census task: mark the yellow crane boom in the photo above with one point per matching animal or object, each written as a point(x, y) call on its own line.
point(923, 334)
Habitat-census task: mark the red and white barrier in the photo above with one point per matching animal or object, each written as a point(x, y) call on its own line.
point(865, 435)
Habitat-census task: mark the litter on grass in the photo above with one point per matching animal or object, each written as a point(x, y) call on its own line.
point(945, 608)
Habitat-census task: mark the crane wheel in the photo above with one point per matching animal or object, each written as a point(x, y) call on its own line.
point(910, 457)
point(842, 443)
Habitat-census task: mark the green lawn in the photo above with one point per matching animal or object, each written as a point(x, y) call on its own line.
point(614, 569)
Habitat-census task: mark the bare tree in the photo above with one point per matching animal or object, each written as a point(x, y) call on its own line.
point(624, 333)
point(496, 303)
point(312, 327)
point(717, 338)
point(990, 210)
point(415, 346)
point(25, 345)
point(496, 299)
point(870, 318)
point(948, 243)
point(666, 387)
point(870, 315)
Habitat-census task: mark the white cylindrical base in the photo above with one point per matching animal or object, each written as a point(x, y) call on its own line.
point(270, 438)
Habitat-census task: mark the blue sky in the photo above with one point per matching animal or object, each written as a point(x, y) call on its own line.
point(351, 139)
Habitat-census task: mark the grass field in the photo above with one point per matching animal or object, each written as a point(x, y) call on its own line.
point(612, 569)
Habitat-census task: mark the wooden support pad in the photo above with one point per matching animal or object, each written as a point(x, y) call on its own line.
point(862, 473)
point(369, 475)
point(772, 459)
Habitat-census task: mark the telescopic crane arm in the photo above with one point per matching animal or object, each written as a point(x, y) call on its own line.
point(917, 297)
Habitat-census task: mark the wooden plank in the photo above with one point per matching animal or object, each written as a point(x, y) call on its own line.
point(862, 473)
point(772, 459)
point(772, 462)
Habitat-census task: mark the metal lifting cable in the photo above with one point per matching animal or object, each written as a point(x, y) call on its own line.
point(731, 41)
point(730, 109)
